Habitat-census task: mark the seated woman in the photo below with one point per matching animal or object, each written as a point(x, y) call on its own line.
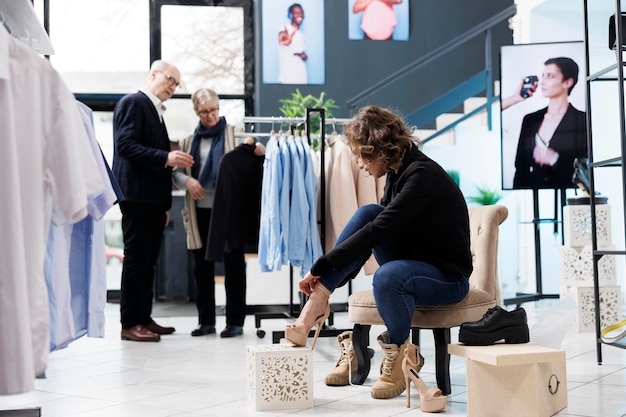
point(419, 235)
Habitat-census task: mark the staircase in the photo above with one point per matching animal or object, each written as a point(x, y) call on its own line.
point(465, 93)
point(474, 113)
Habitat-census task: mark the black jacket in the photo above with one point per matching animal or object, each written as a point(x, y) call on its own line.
point(424, 210)
point(237, 204)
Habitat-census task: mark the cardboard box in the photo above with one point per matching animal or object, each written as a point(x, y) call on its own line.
point(521, 380)
point(280, 376)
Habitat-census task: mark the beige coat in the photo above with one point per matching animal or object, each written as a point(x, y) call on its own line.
point(190, 220)
point(351, 188)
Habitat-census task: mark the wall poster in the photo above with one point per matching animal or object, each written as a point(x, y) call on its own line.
point(292, 36)
point(544, 126)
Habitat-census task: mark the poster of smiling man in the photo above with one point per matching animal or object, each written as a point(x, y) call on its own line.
point(293, 41)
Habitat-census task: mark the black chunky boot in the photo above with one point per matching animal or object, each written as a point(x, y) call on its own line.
point(496, 324)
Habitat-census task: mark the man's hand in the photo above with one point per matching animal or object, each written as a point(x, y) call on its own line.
point(179, 159)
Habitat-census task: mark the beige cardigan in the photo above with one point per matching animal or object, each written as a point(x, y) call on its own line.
point(190, 220)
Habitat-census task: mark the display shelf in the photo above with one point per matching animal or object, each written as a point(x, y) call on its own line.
point(611, 73)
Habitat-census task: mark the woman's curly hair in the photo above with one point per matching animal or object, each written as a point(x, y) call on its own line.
point(377, 132)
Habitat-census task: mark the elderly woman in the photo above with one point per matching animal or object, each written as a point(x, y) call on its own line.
point(419, 235)
point(211, 139)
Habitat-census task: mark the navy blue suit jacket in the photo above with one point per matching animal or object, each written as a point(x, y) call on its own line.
point(140, 148)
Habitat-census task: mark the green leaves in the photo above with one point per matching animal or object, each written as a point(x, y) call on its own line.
point(297, 104)
point(486, 196)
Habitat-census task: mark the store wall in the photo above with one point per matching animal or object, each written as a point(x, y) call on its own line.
point(353, 65)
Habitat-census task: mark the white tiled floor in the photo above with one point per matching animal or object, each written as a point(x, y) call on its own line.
point(207, 376)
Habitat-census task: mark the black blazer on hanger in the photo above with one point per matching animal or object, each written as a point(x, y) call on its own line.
point(237, 205)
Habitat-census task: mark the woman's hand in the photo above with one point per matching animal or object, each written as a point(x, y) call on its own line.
point(308, 283)
point(259, 149)
point(194, 188)
point(545, 156)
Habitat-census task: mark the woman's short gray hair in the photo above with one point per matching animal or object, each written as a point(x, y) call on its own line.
point(203, 96)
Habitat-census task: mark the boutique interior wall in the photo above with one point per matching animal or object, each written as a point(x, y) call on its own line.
point(563, 21)
point(351, 66)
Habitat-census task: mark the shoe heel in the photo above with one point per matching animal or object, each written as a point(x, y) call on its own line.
point(431, 400)
point(518, 334)
point(407, 382)
point(319, 324)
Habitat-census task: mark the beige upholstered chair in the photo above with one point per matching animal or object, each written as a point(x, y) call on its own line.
point(484, 294)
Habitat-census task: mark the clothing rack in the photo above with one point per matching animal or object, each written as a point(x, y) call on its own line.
point(291, 314)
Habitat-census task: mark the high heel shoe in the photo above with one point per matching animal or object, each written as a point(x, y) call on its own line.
point(431, 400)
point(297, 334)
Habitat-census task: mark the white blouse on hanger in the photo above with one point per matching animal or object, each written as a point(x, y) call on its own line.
point(48, 172)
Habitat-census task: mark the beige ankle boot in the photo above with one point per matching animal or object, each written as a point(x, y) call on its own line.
point(391, 382)
point(346, 365)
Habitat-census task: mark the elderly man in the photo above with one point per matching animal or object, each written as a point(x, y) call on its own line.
point(142, 164)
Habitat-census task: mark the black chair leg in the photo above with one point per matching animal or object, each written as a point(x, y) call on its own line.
point(361, 341)
point(442, 359)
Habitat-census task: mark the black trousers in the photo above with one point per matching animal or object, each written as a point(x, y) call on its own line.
point(204, 274)
point(142, 226)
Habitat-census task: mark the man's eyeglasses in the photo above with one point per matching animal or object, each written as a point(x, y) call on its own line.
point(207, 112)
point(171, 80)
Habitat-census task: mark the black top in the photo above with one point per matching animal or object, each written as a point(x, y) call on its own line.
point(569, 140)
point(424, 210)
point(140, 149)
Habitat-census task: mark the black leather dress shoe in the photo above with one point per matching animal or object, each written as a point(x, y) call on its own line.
point(496, 324)
point(232, 331)
point(155, 328)
point(202, 330)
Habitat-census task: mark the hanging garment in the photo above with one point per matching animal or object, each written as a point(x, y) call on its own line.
point(237, 207)
point(334, 146)
point(289, 232)
point(313, 243)
point(351, 188)
point(48, 174)
point(270, 255)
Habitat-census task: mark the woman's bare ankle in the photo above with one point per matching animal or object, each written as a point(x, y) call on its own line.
point(315, 306)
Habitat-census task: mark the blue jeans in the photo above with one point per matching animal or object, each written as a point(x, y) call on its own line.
point(399, 284)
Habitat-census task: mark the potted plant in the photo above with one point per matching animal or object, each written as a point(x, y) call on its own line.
point(296, 106)
point(486, 196)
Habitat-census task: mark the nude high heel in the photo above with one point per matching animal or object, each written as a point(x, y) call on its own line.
point(431, 400)
point(297, 333)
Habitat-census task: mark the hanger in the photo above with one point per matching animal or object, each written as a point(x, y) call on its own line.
point(249, 140)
